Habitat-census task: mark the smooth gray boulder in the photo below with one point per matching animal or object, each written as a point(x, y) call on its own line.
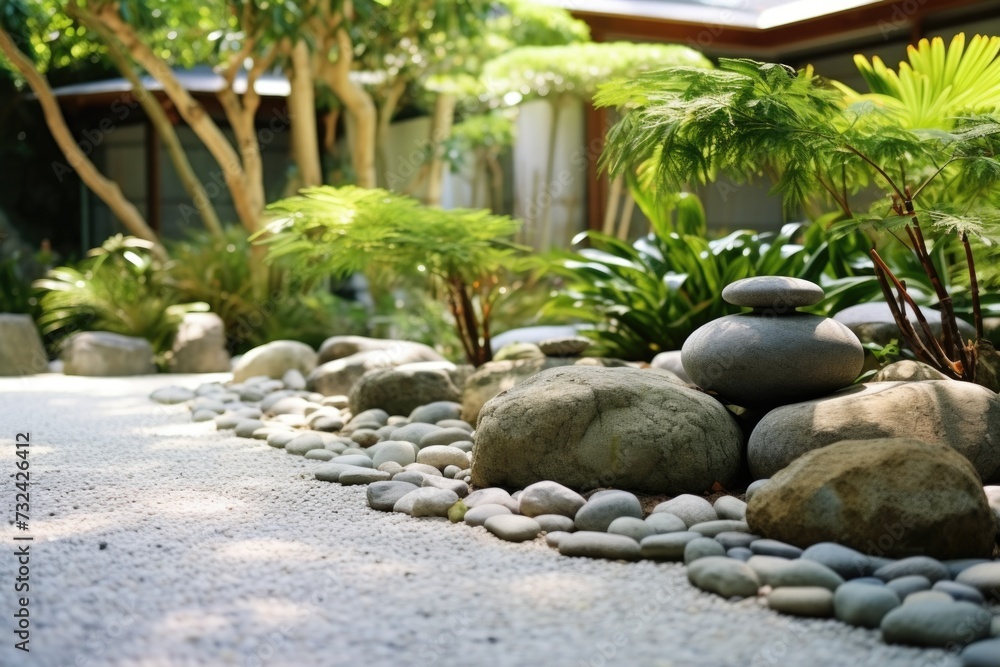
point(438, 411)
point(199, 345)
point(772, 355)
point(671, 361)
point(590, 426)
point(274, 359)
point(703, 547)
point(932, 503)
point(21, 349)
point(103, 354)
point(962, 415)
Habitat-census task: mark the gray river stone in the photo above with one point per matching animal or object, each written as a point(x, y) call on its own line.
point(723, 576)
point(512, 527)
point(936, 624)
point(592, 544)
point(863, 605)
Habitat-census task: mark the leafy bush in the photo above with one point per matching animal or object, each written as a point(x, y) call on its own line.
point(16, 294)
point(120, 287)
point(748, 117)
point(216, 271)
point(462, 256)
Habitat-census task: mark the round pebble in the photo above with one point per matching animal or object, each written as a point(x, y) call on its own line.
point(810, 601)
point(513, 527)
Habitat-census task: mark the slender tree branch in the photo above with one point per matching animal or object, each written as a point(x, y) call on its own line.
point(108, 191)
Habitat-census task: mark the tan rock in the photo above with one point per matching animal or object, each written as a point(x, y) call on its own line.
point(962, 415)
point(908, 371)
point(587, 427)
point(892, 497)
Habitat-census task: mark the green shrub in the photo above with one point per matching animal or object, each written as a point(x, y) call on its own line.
point(120, 287)
point(216, 271)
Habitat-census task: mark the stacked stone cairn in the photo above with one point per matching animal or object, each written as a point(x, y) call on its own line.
point(868, 503)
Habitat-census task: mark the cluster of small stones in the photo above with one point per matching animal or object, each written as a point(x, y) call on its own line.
point(419, 465)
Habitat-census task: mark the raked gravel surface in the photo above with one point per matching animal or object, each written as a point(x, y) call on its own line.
point(158, 541)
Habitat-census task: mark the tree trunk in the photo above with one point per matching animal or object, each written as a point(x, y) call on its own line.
point(164, 128)
point(359, 105)
point(194, 115)
point(106, 189)
point(302, 109)
point(385, 113)
point(441, 123)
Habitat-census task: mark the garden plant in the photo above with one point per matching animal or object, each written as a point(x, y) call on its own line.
point(749, 118)
point(463, 255)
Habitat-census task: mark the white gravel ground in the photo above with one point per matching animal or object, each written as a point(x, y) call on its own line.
point(158, 541)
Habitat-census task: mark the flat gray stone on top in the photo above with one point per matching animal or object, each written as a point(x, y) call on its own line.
point(778, 293)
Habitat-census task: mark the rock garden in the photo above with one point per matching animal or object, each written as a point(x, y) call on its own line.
point(821, 503)
point(805, 421)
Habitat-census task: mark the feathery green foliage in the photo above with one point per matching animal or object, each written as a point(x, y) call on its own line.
point(749, 118)
point(463, 254)
point(215, 270)
point(937, 84)
point(120, 287)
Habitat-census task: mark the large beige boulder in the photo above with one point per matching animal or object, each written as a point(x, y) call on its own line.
point(891, 497)
point(962, 415)
point(590, 426)
point(274, 359)
point(908, 371)
point(21, 349)
point(494, 377)
point(102, 353)
point(200, 345)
